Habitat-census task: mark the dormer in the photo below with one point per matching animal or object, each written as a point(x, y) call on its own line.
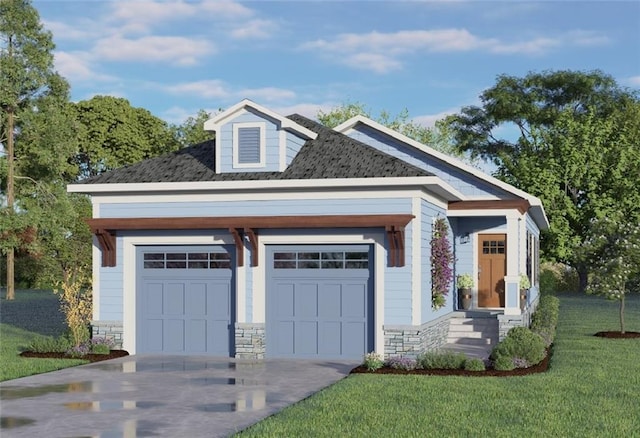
point(251, 138)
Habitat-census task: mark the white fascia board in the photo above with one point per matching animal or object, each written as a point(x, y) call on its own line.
point(219, 119)
point(432, 183)
point(350, 124)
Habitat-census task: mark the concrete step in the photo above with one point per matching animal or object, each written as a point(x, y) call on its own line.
point(471, 341)
point(473, 334)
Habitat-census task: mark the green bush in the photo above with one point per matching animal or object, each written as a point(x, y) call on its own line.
point(447, 360)
point(49, 344)
point(373, 361)
point(503, 363)
point(557, 277)
point(520, 343)
point(474, 365)
point(545, 318)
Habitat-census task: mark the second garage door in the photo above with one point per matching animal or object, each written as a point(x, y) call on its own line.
point(319, 301)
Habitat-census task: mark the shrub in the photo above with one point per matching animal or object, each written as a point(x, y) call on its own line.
point(520, 343)
point(48, 344)
point(78, 351)
point(447, 360)
point(101, 345)
point(474, 364)
point(556, 277)
point(545, 318)
point(503, 363)
point(373, 361)
point(76, 303)
point(402, 363)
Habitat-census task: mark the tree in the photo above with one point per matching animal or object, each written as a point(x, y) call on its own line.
point(575, 148)
point(26, 72)
point(613, 248)
point(192, 130)
point(111, 133)
point(438, 137)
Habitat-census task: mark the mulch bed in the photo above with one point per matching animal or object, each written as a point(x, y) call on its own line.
point(489, 372)
point(114, 354)
point(618, 335)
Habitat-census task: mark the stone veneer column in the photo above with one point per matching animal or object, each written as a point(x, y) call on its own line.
point(108, 329)
point(250, 341)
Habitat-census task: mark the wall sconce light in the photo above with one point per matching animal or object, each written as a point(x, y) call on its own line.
point(465, 238)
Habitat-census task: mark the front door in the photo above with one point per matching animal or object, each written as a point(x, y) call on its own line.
point(492, 268)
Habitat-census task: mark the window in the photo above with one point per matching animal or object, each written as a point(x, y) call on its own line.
point(249, 147)
point(321, 260)
point(182, 260)
point(493, 247)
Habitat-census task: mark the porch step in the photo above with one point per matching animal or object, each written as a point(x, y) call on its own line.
point(473, 333)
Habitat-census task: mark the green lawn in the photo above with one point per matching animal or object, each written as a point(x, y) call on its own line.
point(591, 390)
point(32, 313)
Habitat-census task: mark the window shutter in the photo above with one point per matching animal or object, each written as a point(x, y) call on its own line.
point(248, 145)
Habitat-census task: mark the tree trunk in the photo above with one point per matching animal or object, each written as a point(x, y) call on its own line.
point(583, 276)
point(10, 199)
point(622, 314)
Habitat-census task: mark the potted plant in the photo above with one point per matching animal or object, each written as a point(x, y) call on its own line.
point(465, 284)
point(525, 284)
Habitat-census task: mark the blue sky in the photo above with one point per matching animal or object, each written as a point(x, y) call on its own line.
point(432, 58)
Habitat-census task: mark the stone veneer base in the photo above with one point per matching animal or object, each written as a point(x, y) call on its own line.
point(410, 340)
point(250, 341)
point(108, 329)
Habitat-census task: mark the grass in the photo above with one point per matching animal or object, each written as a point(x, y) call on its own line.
point(33, 313)
point(591, 390)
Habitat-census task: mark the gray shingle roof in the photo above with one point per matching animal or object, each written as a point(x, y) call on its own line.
point(330, 155)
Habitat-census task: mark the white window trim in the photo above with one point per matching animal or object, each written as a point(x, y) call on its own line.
point(263, 142)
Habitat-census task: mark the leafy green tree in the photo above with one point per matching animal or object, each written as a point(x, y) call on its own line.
point(575, 147)
point(613, 248)
point(111, 133)
point(192, 130)
point(26, 74)
point(438, 137)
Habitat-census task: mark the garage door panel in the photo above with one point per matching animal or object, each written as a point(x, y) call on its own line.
point(220, 295)
point(354, 337)
point(306, 300)
point(174, 335)
point(329, 301)
point(306, 338)
point(330, 338)
point(185, 301)
point(354, 300)
point(153, 298)
point(152, 341)
point(174, 299)
point(196, 336)
point(283, 339)
point(284, 300)
point(196, 300)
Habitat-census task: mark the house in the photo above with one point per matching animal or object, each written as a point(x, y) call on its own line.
point(284, 238)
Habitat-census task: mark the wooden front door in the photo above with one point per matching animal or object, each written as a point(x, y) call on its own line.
point(492, 268)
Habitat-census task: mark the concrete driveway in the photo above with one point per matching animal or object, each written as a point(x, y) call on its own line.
point(174, 396)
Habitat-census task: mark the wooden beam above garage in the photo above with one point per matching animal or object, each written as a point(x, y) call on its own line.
point(394, 224)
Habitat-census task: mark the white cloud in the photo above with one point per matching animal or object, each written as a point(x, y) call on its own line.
point(77, 32)
point(267, 93)
point(177, 50)
point(633, 81)
point(256, 29)
point(383, 52)
point(429, 120)
point(226, 9)
point(76, 66)
point(309, 110)
point(208, 89)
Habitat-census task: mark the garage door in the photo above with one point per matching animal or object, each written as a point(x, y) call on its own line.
point(319, 301)
point(185, 300)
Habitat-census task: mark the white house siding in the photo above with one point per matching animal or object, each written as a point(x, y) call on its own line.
point(462, 181)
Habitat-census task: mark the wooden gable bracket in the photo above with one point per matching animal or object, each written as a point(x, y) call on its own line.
point(396, 251)
point(253, 241)
point(107, 243)
point(239, 241)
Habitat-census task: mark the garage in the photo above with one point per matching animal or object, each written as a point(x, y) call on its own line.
point(319, 301)
point(185, 300)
